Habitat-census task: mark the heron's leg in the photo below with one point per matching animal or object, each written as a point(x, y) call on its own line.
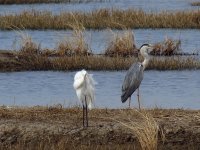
point(129, 102)
point(138, 95)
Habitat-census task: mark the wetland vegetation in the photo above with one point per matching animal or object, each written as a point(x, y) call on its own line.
point(42, 1)
point(101, 19)
point(195, 3)
point(75, 53)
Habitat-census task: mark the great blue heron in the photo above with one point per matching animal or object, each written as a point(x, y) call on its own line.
point(85, 90)
point(134, 76)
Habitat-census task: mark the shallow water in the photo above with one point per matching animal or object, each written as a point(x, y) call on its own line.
point(167, 89)
point(99, 40)
point(146, 5)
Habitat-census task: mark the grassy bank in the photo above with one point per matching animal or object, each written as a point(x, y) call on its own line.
point(59, 128)
point(7, 2)
point(22, 62)
point(100, 19)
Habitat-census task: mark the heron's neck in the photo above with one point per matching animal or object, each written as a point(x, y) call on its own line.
point(146, 61)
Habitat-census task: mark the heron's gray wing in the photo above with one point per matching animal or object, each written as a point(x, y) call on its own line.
point(132, 81)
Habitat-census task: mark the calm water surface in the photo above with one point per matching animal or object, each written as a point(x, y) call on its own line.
point(99, 40)
point(167, 89)
point(146, 5)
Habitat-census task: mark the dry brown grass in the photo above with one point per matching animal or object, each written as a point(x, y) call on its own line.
point(103, 18)
point(27, 45)
point(195, 3)
point(42, 1)
point(122, 44)
point(167, 48)
point(174, 63)
point(146, 130)
point(55, 127)
point(94, 62)
point(29, 1)
point(74, 45)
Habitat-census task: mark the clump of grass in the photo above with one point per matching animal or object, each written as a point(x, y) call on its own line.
point(195, 3)
point(75, 45)
point(122, 44)
point(146, 130)
point(41, 1)
point(27, 45)
point(103, 18)
point(168, 47)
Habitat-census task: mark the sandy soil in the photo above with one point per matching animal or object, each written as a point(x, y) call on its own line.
point(58, 128)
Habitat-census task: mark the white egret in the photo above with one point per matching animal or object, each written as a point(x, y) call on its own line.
point(84, 85)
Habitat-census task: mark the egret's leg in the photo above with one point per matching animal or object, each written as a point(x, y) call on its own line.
point(86, 114)
point(129, 102)
point(138, 95)
point(83, 115)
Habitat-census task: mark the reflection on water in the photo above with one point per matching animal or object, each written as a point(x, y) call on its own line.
point(99, 39)
point(146, 5)
point(168, 89)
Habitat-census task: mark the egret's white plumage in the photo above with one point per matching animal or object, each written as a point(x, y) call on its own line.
point(84, 85)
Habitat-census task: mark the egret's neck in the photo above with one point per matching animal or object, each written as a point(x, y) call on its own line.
point(146, 60)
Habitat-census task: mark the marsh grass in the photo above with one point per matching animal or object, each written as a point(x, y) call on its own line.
point(195, 3)
point(76, 54)
point(174, 63)
point(101, 19)
point(74, 45)
point(122, 44)
point(167, 48)
point(27, 45)
point(146, 129)
point(95, 62)
point(44, 1)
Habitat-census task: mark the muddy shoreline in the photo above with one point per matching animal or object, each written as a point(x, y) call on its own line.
point(61, 128)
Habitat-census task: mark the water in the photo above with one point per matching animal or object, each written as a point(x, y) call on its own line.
point(99, 40)
point(146, 5)
point(168, 89)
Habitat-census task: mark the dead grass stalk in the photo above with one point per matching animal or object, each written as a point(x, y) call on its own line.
point(146, 130)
